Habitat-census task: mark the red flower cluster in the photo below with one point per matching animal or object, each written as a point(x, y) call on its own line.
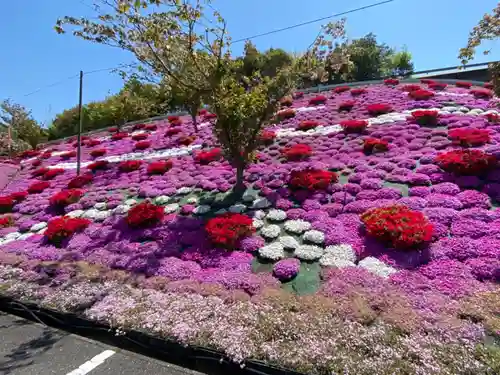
point(426, 117)
point(464, 85)
point(119, 136)
point(98, 165)
point(129, 165)
point(466, 162)
point(159, 167)
point(6, 204)
point(142, 145)
point(19, 196)
point(176, 123)
point(226, 230)
point(65, 197)
point(80, 181)
point(186, 140)
point(297, 152)
point(46, 155)
point(410, 88)
point(427, 81)
point(317, 100)
point(39, 172)
point(36, 163)
point(298, 95)
point(145, 214)
point(341, 89)
point(378, 109)
point(206, 157)
point(312, 179)
point(267, 137)
point(98, 152)
point(438, 86)
point(307, 125)
point(286, 114)
point(482, 93)
point(354, 126)
point(398, 226)
point(391, 82)
point(467, 137)
point(421, 94)
point(138, 126)
point(63, 227)
point(6, 221)
point(172, 131)
point(357, 92)
point(493, 117)
point(139, 137)
point(68, 154)
point(51, 173)
point(113, 129)
point(93, 142)
point(151, 127)
point(346, 106)
point(176, 118)
point(488, 85)
point(371, 145)
point(38, 187)
point(29, 154)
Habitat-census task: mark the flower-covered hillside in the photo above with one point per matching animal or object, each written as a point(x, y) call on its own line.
point(367, 240)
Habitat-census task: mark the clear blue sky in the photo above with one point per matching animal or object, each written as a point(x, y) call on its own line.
point(34, 56)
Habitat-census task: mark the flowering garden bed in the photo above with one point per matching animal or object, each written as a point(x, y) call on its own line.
point(367, 251)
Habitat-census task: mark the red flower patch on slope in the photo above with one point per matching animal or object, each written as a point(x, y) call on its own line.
point(80, 181)
point(468, 137)
point(354, 126)
point(129, 165)
point(312, 179)
point(145, 214)
point(63, 227)
point(65, 197)
point(297, 152)
point(226, 230)
point(206, 157)
point(398, 226)
point(466, 162)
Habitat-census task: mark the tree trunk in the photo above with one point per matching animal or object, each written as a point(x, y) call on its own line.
point(239, 187)
point(195, 123)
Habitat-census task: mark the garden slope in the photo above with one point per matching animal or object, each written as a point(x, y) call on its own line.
point(309, 289)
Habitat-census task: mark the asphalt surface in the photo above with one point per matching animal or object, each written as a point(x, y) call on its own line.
point(28, 348)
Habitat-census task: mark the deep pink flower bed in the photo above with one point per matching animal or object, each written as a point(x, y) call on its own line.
point(317, 284)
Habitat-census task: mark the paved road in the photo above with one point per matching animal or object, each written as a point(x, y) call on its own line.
point(28, 348)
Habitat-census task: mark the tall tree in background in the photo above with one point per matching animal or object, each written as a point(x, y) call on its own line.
point(400, 64)
point(370, 60)
point(165, 37)
point(21, 123)
point(487, 29)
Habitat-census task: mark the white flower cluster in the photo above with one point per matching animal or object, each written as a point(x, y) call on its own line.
point(162, 199)
point(257, 223)
point(172, 207)
point(259, 214)
point(377, 267)
point(130, 202)
point(101, 206)
point(338, 256)
point(75, 213)
point(297, 226)
point(314, 236)
point(271, 231)
point(184, 190)
point(276, 215)
point(308, 252)
point(96, 215)
point(289, 242)
point(237, 208)
point(261, 203)
point(121, 209)
point(202, 209)
point(273, 251)
point(38, 226)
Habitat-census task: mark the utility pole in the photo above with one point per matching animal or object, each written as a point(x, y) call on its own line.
point(80, 126)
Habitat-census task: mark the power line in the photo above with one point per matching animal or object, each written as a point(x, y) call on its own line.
point(314, 21)
point(236, 41)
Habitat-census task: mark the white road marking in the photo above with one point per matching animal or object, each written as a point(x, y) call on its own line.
point(92, 363)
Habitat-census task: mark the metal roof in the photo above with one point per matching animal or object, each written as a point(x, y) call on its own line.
point(451, 70)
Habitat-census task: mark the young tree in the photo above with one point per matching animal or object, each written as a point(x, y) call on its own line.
point(21, 123)
point(487, 29)
point(170, 41)
point(400, 64)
